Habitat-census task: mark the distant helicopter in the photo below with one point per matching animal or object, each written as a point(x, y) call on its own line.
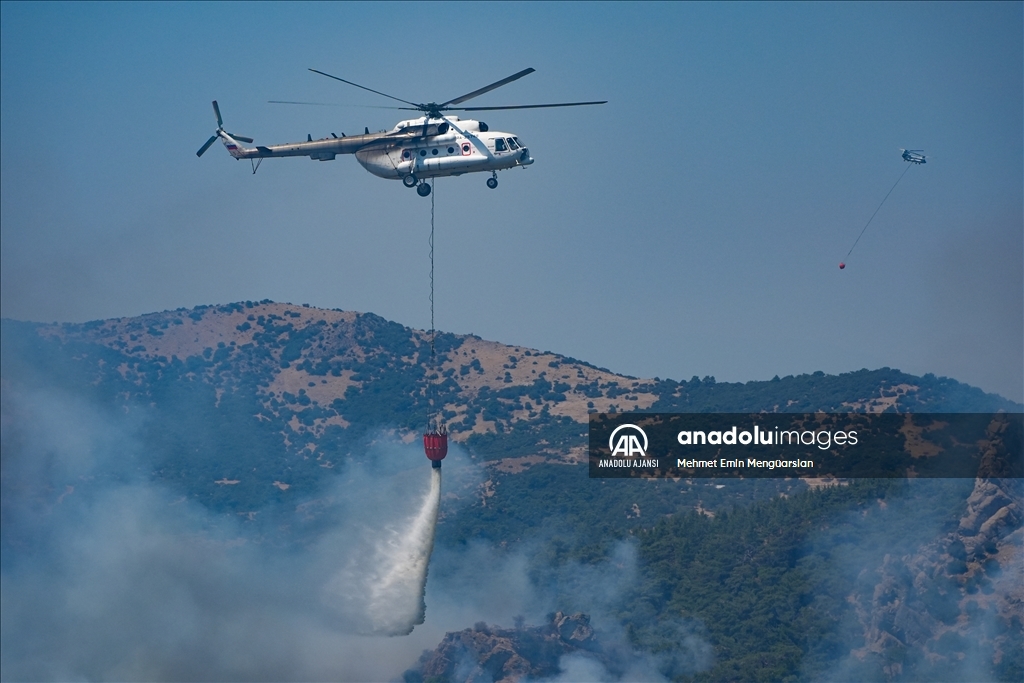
point(914, 156)
point(430, 146)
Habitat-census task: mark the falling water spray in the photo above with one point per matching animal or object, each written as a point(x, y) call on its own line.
point(395, 588)
point(397, 602)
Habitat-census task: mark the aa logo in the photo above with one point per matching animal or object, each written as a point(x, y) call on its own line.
point(627, 444)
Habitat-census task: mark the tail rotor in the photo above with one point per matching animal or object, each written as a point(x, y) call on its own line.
point(219, 132)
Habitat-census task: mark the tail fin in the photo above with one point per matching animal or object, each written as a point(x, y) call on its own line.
point(233, 146)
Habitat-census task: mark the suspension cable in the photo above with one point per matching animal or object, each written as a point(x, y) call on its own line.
point(432, 273)
point(432, 414)
point(872, 215)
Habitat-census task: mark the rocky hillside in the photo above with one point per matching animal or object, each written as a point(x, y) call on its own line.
point(311, 372)
point(254, 402)
point(248, 400)
point(491, 653)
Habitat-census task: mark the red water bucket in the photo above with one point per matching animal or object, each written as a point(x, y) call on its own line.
point(436, 447)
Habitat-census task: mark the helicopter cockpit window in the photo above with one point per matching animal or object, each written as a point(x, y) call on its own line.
point(499, 145)
point(516, 140)
point(512, 143)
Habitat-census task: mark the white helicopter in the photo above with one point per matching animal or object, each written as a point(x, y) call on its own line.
point(430, 146)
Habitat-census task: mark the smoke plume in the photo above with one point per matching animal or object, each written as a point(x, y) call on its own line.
point(108, 574)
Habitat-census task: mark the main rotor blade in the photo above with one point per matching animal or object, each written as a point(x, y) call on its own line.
point(333, 104)
point(488, 88)
point(527, 106)
point(317, 104)
point(206, 146)
point(216, 110)
point(376, 92)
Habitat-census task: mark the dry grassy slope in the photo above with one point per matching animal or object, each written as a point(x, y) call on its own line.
point(880, 404)
point(472, 363)
point(504, 366)
point(180, 334)
point(186, 333)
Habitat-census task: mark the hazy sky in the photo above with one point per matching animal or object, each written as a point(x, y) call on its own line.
point(691, 226)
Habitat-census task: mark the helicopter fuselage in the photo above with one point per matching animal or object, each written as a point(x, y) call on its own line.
point(914, 156)
point(419, 148)
point(459, 150)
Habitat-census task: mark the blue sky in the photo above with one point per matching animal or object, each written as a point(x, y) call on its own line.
point(691, 226)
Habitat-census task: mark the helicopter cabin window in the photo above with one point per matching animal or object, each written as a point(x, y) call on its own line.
point(466, 149)
point(406, 154)
point(451, 150)
point(423, 152)
point(512, 143)
point(434, 151)
point(499, 145)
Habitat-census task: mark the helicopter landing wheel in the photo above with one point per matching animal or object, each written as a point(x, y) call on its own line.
point(492, 183)
point(410, 180)
point(423, 190)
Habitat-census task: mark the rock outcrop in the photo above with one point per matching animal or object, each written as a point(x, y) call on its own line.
point(956, 606)
point(992, 514)
point(495, 655)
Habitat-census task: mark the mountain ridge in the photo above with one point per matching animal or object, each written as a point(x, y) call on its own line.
point(315, 373)
point(164, 341)
point(273, 395)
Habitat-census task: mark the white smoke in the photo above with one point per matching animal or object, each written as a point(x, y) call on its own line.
point(108, 574)
point(387, 586)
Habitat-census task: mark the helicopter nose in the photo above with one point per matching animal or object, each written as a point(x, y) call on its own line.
point(525, 159)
